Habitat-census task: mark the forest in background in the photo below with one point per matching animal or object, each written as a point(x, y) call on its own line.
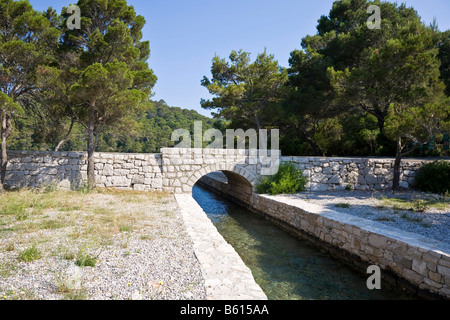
point(150, 131)
point(373, 81)
point(358, 87)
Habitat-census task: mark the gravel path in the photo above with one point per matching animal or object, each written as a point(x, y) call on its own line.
point(432, 223)
point(152, 260)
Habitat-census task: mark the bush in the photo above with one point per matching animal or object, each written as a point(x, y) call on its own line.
point(288, 180)
point(434, 177)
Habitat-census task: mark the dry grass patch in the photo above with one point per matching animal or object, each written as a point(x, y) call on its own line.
point(417, 205)
point(75, 226)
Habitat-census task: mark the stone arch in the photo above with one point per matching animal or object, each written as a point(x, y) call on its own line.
point(237, 177)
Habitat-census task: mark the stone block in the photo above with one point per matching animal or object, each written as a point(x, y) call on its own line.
point(371, 179)
point(404, 184)
point(157, 183)
point(336, 179)
point(319, 187)
point(420, 267)
point(444, 271)
point(138, 179)
point(378, 241)
point(120, 181)
point(434, 276)
point(139, 187)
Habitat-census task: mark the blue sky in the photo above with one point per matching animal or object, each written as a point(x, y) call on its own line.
point(185, 35)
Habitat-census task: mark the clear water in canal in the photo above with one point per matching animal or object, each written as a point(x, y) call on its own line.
point(284, 266)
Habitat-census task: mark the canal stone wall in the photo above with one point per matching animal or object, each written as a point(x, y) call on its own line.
point(226, 275)
point(418, 264)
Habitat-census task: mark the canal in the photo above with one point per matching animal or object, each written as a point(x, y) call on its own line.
point(284, 266)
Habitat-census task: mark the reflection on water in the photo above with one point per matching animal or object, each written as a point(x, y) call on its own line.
point(286, 267)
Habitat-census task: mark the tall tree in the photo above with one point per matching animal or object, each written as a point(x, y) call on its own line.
point(444, 56)
point(246, 93)
point(309, 99)
point(112, 74)
point(27, 41)
point(402, 75)
point(104, 97)
point(344, 41)
point(415, 126)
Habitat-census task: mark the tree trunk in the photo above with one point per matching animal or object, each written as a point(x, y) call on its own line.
point(381, 120)
point(64, 140)
point(398, 160)
point(91, 150)
point(316, 149)
point(6, 129)
point(4, 156)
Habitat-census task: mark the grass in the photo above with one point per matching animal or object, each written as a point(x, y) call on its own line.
point(125, 228)
point(417, 205)
point(86, 260)
point(74, 226)
point(409, 210)
point(407, 217)
point(29, 254)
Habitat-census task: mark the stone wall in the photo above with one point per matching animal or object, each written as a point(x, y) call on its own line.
point(177, 170)
point(418, 264)
point(174, 170)
point(359, 173)
point(69, 170)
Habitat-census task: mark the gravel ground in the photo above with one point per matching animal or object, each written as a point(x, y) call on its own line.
point(153, 260)
point(432, 223)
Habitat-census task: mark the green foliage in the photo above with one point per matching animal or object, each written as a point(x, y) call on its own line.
point(85, 260)
point(29, 254)
point(349, 91)
point(444, 56)
point(27, 41)
point(288, 180)
point(347, 72)
point(150, 131)
point(248, 93)
point(420, 205)
point(434, 177)
point(13, 208)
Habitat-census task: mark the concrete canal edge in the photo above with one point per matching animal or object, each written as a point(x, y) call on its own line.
point(226, 276)
point(415, 263)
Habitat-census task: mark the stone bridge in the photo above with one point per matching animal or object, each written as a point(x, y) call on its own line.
point(182, 168)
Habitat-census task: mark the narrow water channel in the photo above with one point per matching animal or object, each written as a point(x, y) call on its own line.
point(284, 266)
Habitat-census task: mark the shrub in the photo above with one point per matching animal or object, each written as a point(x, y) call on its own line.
point(434, 177)
point(288, 180)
